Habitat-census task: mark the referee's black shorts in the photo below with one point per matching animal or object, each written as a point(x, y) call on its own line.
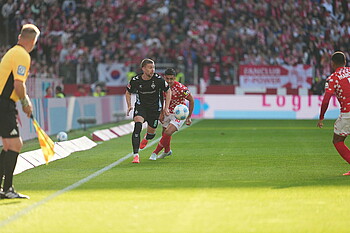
point(8, 119)
point(150, 116)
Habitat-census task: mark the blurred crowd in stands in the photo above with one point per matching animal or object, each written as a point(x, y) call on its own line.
point(216, 35)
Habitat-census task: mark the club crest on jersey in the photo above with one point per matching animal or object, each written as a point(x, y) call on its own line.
point(153, 85)
point(21, 70)
point(326, 85)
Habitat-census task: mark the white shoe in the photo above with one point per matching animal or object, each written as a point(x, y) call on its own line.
point(153, 156)
point(163, 155)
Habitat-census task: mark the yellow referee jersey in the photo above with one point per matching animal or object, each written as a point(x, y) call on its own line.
point(14, 65)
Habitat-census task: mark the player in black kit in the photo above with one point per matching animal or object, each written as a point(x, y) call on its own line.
point(148, 87)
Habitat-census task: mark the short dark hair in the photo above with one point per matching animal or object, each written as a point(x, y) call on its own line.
point(170, 71)
point(145, 62)
point(339, 58)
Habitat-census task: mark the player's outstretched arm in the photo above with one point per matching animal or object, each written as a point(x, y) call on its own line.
point(190, 109)
point(167, 102)
point(128, 102)
point(325, 102)
point(21, 91)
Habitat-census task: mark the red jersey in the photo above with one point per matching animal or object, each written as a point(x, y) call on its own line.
point(179, 93)
point(339, 84)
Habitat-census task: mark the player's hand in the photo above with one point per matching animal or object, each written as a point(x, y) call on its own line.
point(161, 117)
point(129, 109)
point(166, 112)
point(320, 124)
point(188, 121)
point(28, 110)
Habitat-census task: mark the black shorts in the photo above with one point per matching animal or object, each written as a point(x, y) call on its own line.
point(150, 116)
point(8, 119)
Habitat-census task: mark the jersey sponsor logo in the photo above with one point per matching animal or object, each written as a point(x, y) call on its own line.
point(147, 92)
point(21, 70)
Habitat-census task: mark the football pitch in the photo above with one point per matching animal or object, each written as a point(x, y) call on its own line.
point(223, 176)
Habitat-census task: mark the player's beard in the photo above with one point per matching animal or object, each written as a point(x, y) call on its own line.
point(150, 74)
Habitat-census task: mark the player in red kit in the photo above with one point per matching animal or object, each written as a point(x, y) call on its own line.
point(180, 94)
point(339, 84)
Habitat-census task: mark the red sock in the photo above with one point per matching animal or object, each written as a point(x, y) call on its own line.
point(343, 150)
point(166, 142)
point(159, 148)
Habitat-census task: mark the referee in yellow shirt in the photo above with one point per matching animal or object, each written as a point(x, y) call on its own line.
point(14, 69)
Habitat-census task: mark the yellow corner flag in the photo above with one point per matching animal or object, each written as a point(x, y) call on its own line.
point(45, 141)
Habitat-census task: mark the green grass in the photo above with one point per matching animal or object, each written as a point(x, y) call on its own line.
point(224, 176)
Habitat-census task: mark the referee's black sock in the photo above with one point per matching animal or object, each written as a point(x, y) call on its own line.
point(2, 165)
point(10, 164)
point(136, 137)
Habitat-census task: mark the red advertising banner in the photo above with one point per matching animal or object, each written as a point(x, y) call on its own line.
point(299, 76)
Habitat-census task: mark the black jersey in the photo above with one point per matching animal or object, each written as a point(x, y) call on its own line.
point(149, 93)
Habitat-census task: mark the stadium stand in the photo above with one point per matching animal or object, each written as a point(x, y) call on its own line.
point(216, 35)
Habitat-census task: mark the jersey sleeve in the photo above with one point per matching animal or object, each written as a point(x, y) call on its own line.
point(185, 91)
point(21, 65)
point(131, 87)
point(164, 85)
point(331, 82)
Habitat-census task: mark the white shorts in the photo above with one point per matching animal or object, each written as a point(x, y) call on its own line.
point(172, 120)
point(342, 124)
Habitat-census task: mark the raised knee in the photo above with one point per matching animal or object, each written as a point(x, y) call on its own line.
point(335, 141)
point(338, 139)
point(168, 132)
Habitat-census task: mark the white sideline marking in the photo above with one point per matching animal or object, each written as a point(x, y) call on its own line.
point(77, 184)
